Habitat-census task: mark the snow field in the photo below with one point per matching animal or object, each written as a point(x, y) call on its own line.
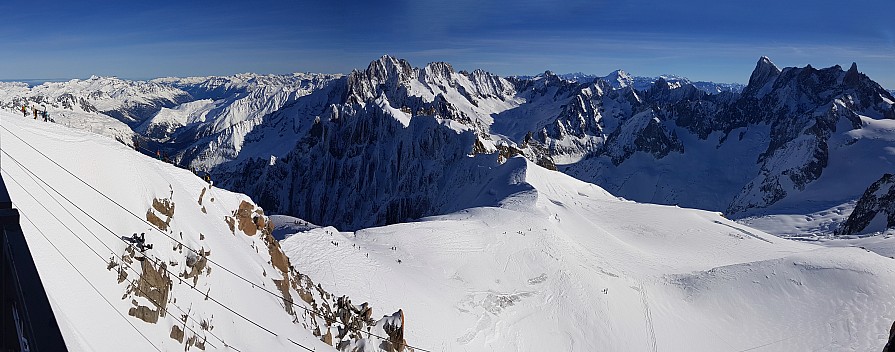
point(567, 266)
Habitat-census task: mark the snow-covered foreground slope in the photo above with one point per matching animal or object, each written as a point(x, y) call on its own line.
point(215, 278)
point(562, 265)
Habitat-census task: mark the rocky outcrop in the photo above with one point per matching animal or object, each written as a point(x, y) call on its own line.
point(890, 346)
point(334, 319)
point(154, 284)
point(394, 328)
point(161, 213)
point(643, 132)
point(876, 206)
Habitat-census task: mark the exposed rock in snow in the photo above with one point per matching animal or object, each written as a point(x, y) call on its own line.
point(874, 211)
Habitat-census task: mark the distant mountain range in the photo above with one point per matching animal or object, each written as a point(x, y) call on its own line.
point(395, 142)
point(620, 79)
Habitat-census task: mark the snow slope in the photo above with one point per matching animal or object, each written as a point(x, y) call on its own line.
point(562, 265)
point(213, 255)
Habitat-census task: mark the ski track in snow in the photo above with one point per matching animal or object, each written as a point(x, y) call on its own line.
point(648, 319)
point(531, 275)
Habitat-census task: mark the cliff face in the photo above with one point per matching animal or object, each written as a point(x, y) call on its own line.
point(393, 148)
point(874, 211)
point(891, 345)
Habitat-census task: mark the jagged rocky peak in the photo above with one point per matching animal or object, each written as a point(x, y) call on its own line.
point(765, 66)
point(551, 76)
point(481, 74)
point(619, 79)
point(489, 85)
point(672, 91)
point(442, 70)
point(548, 78)
point(874, 211)
point(852, 76)
point(764, 73)
point(384, 74)
point(480, 77)
point(388, 69)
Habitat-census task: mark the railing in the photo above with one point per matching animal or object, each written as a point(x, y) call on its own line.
point(28, 322)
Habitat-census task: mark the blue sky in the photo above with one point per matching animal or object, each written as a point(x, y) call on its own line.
point(700, 39)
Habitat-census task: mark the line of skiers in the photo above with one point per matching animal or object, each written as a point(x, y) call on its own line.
point(37, 113)
point(158, 153)
point(164, 157)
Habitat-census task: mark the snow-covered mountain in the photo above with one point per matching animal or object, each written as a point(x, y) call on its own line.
point(104, 105)
point(792, 140)
point(214, 279)
point(388, 143)
point(231, 103)
point(548, 262)
point(621, 79)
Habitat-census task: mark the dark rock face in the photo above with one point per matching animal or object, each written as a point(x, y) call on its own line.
point(878, 200)
point(802, 106)
point(765, 72)
point(890, 347)
point(358, 165)
point(643, 132)
point(361, 164)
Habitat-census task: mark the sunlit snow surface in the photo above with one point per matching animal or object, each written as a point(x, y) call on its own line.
point(567, 266)
point(88, 322)
point(557, 265)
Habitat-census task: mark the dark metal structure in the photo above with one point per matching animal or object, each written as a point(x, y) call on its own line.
point(28, 322)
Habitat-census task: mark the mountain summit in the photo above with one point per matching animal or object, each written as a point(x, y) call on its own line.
point(765, 72)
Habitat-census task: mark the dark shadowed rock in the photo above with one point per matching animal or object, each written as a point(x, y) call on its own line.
point(878, 200)
point(890, 347)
